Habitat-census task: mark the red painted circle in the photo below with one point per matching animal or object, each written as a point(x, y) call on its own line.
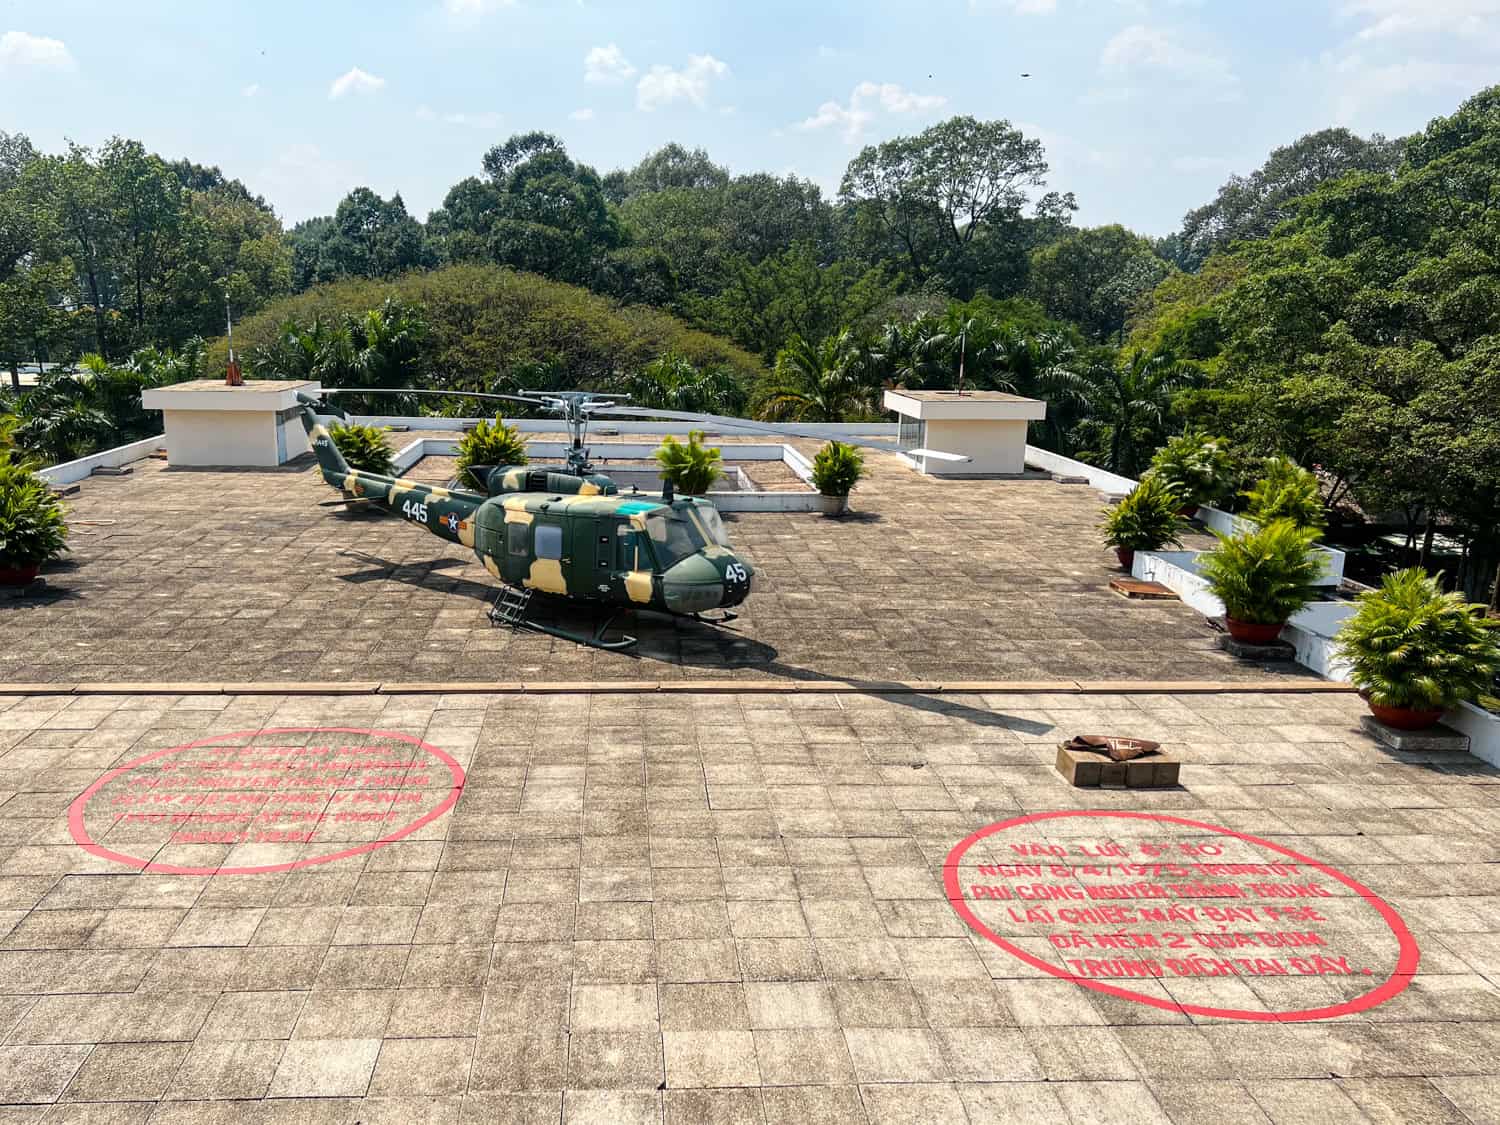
point(1406, 961)
point(82, 837)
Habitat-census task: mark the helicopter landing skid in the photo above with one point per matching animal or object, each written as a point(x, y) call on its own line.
point(721, 622)
point(511, 608)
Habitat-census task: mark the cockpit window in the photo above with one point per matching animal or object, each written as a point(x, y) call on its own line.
point(673, 538)
point(713, 523)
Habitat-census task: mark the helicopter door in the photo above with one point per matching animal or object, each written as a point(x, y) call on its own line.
point(515, 566)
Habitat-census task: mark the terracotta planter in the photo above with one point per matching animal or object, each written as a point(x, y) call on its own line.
point(1126, 555)
point(833, 505)
point(1250, 633)
point(19, 575)
point(1404, 718)
point(1188, 512)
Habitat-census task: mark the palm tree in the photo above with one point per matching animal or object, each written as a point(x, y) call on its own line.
point(673, 383)
point(1132, 394)
point(388, 348)
point(968, 342)
point(831, 381)
point(1044, 365)
point(60, 419)
point(913, 353)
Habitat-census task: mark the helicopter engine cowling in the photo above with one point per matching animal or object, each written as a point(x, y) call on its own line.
point(503, 479)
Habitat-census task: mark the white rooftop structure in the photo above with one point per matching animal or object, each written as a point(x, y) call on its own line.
point(209, 422)
point(988, 427)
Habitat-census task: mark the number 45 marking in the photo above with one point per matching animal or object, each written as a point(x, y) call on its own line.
point(414, 511)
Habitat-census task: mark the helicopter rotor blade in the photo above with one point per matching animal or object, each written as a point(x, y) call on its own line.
point(439, 394)
point(726, 422)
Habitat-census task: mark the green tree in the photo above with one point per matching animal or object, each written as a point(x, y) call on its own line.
point(1131, 397)
point(673, 166)
point(1362, 337)
point(16, 152)
point(1092, 277)
point(144, 206)
point(932, 201)
point(35, 277)
point(538, 211)
point(765, 305)
point(1249, 207)
point(374, 237)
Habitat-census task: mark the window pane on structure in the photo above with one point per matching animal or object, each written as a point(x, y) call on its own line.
point(548, 541)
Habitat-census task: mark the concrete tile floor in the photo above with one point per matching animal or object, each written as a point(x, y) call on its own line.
point(730, 908)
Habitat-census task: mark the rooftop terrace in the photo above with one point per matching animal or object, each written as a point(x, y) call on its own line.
point(565, 900)
point(186, 575)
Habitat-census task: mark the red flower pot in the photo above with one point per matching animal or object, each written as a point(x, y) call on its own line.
point(1250, 633)
point(1126, 555)
point(19, 575)
point(1188, 512)
point(1404, 718)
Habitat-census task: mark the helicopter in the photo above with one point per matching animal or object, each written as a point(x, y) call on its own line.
point(569, 533)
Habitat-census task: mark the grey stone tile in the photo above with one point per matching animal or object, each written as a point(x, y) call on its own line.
point(38, 1074)
point(699, 1058)
point(324, 1068)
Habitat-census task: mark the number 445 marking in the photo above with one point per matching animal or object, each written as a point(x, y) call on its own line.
point(414, 511)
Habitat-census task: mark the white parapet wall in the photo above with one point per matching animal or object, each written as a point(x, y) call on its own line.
point(1482, 727)
point(737, 500)
point(1111, 484)
point(70, 472)
point(611, 427)
point(1310, 631)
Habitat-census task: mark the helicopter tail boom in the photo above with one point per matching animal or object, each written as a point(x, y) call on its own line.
point(318, 426)
point(446, 512)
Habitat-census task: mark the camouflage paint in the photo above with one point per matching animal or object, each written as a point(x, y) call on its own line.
point(588, 510)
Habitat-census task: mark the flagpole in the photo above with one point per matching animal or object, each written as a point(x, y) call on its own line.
point(232, 375)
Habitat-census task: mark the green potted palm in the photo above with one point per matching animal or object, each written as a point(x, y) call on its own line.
point(836, 469)
point(1286, 491)
point(1414, 651)
point(1148, 519)
point(490, 444)
point(32, 528)
point(1263, 577)
point(1199, 467)
point(364, 448)
point(690, 467)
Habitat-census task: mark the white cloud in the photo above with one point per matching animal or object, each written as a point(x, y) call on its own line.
point(20, 49)
point(1022, 7)
point(867, 101)
point(487, 120)
point(1399, 48)
point(355, 81)
point(584, 114)
point(1408, 19)
point(473, 9)
point(607, 65)
point(251, 90)
point(1139, 49)
point(663, 85)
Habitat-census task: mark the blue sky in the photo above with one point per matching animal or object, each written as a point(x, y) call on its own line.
point(1145, 106)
